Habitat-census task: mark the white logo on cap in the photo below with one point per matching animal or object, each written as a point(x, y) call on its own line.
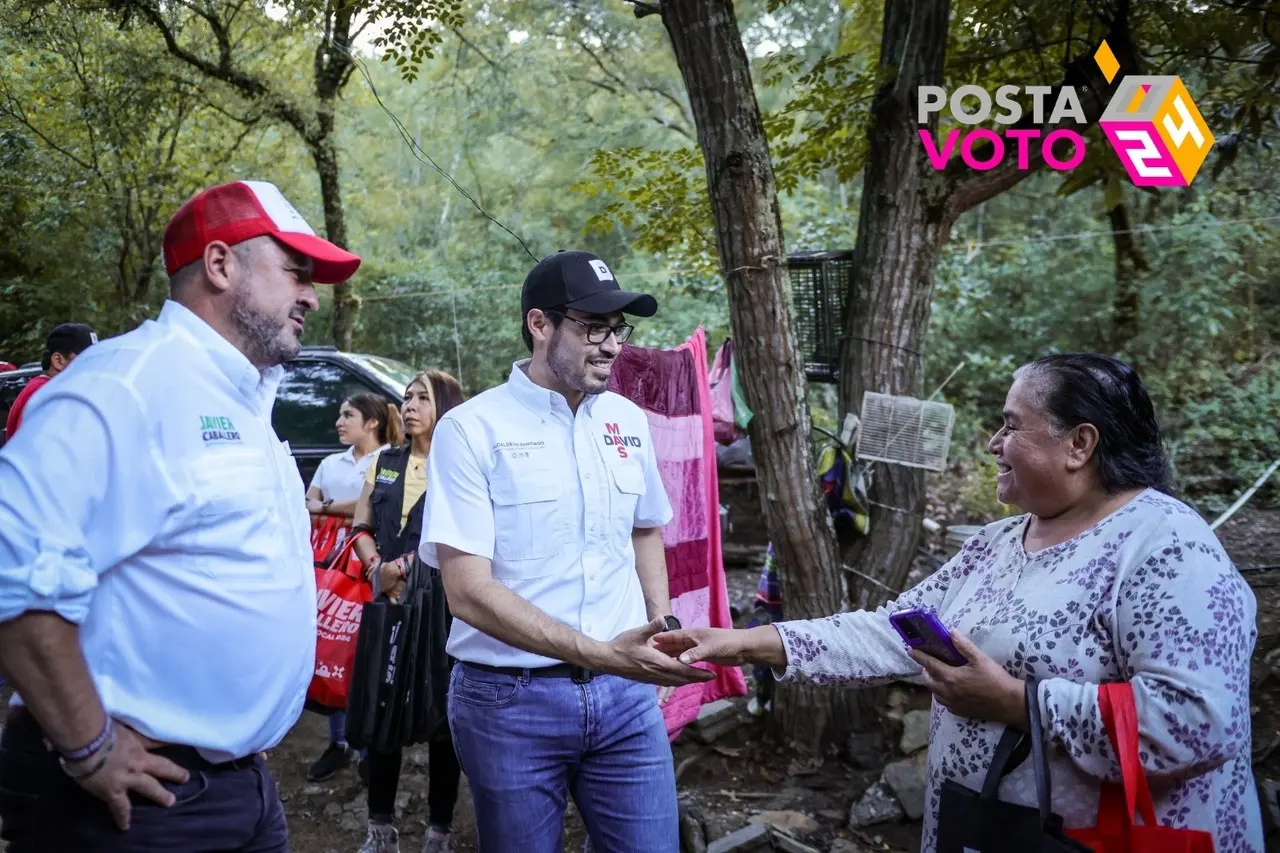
point(283, 214)
point(93, 337)
point(602, 271)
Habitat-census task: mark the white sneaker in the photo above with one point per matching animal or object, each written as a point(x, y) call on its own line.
point(438, 843)
point(382, 838)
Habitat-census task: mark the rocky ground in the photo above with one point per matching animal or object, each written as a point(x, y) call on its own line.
point(741, 790)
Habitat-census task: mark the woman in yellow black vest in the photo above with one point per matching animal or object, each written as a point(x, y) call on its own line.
point(390, 509)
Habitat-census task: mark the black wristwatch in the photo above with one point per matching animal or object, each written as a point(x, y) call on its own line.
point(671, 623)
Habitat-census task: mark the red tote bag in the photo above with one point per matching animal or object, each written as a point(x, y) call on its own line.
point(341, 593)
point(1117, 830)
point(326, 533)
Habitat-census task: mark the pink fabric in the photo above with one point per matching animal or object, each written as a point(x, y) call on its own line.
point(672, 387)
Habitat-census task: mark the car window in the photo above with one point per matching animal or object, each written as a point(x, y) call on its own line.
point(396, 373)
point(308, 400)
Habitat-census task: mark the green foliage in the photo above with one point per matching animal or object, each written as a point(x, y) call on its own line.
point(1210, 308)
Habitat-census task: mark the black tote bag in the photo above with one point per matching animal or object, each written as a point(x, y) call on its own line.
point(376, 692)
point(400, 676)
point(977, 822)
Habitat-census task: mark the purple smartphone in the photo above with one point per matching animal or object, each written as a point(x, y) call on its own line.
point(921, 629)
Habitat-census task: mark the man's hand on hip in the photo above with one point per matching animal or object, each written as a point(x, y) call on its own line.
point(130, 766)
point(632, 655)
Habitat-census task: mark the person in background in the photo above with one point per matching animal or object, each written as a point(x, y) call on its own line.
point(545, 507)
point(390, 510)
point(1104, 578)
point(366, 423)
point(64, 343)
point(157, 589)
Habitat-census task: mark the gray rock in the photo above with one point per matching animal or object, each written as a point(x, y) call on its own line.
point(333, 810)
point(355, 805)
point(693, 830)
point(844, 845)
point(313, 790)
point(907, 779)
point(915, 732)
point(796, 823)
point(402, 800)
point(865, 750)
point(1269, 796)
point(351, 823)
point(752, 838)
point(877, 805)
point(786, 843)
point(715, 720)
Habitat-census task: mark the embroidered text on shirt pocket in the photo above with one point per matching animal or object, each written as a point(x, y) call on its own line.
point(525, 521)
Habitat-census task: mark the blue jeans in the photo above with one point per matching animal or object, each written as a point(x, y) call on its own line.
point(527, 743)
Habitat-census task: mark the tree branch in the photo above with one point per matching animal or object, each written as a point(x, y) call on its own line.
point(225, 71)
point(495, 66)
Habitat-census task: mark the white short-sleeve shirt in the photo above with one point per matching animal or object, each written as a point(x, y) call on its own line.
point(552, 499)
point(340, 476)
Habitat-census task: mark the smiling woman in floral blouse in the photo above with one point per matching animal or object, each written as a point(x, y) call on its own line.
point(1105, 578)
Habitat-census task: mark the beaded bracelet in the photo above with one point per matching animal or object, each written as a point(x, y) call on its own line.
point(103, 754)
point(86, 752)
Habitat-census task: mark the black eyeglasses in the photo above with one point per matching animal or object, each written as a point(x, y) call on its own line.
point(598, 332)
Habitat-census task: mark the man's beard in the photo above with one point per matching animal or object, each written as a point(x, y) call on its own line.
point(571, 373)
point(265, 343)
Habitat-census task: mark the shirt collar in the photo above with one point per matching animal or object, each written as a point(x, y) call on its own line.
point(539, 400)
point(257, 387)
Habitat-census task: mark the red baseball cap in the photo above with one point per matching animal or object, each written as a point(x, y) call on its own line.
point(242, 210)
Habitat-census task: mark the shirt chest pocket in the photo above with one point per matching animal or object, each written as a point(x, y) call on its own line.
point(628, 488)
point(527, 525)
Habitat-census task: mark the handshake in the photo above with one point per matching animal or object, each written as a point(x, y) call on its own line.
point(654, 655)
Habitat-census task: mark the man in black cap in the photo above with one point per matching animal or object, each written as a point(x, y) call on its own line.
point(64, 343)
point(544, 512)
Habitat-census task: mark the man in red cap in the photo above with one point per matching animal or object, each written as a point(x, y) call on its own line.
point(157, 596)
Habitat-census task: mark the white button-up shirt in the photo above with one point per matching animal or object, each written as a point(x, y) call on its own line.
point(340, 477)
point(552, 499)
point(148, 499)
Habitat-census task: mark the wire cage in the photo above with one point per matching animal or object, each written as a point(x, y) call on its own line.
point(905, 431)
point(820, 288)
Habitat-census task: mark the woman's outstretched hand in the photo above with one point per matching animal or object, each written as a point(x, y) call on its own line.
point(723, 646)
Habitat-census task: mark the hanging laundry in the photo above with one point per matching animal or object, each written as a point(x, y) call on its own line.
point(673, 388)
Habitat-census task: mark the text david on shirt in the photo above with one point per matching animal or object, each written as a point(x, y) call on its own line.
point(613, 437)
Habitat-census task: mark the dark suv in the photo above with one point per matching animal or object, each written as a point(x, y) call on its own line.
point(315, 384)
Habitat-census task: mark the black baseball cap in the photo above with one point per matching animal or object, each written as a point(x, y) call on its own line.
point(580, 280)
point(74, 338)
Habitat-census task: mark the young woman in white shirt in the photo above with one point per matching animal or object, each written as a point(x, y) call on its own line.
point(366, 424)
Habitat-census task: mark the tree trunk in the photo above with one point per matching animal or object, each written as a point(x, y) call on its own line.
point(713, 62)
point(900, 229)
point(1131, 262)
point(335, 226)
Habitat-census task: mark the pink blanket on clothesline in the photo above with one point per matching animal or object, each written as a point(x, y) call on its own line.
point(673, 389)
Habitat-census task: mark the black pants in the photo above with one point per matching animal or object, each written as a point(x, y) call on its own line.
point(443, 775)
point(231, 808)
